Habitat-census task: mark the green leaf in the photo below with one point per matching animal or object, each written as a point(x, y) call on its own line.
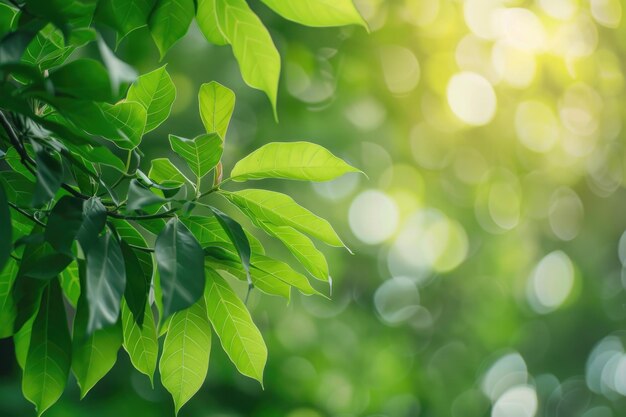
point(252, 44)
point(7, 18)
point(93, 355)
point(209, 232)
point(201, 153)
point(180, 261)
point(130, 234)
point(301, 247)
point(14, 160)
point(70, 283)
point(83, 78)
point(21, 339)
point(265, 267)
point(97, 155)
point(291, 160)
point(185, 359)
point(124, 15)
point(41, 261)
point(48, 49)
point(18, 188)
point(48, 359)
point(7, 307)
point(281, 210)
point(137, 287)
point(264, 282)
point(206, 16)
point(94, 219)
point(26, 294)
point(6, 229)
point(140, 341)
point(156, 92)
point(49, 177)
point(240, 338)
point(169, 22)
point(105, 282)
point(64, 223)
point(216, 107)
point(318, 13)
point(130, 118)
point(140, 197)
point(235, 233)
point(164, 172)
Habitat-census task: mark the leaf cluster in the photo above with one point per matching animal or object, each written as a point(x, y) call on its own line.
point(129, 251)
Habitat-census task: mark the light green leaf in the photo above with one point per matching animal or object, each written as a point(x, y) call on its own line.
point(140, 341)
point(7, 306)
point(216, 107)
point(240, 338)
point(301, 247)
point(265, 267)
point(318, 13)
point(209, 232)
point(156, 93)
point(130, 118)
point(48, 48)
point(164, 172)
point(180, 262)
point(206, 17)
point(93, 355)
point(201, 153)
point(105, 282)
point(282, 210)
point(48, 360)
point(252, 44)
point(185, 359)
point(291, 160)
point(70, 283)
point(169, 21)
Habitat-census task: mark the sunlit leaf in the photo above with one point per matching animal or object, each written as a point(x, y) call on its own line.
point(140, 341)
point(155, 91)
point(163, 171)
point(282, 210)
point(239, 336)
point(201, 153)
point(48, 360)
point(291, 160)
point(318, 12)
point(216, 107)
point(130, 118)
point(252, 44)
point(93, 355)
point(301, 247)
point(70, 283)
point(185, 358)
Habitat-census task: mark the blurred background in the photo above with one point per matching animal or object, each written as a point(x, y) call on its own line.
point(488, 277)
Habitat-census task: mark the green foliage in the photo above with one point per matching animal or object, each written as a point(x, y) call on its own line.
point(132, 252)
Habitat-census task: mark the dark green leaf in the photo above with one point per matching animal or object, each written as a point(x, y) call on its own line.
point(237, 236)
point(64, 222)
point(42, 261)
point(6, 229)
point(83, 78)
point(26, 296)
point(105, 282)
point(49, 177)
point(7, 305)
point(124, 15)
point(18, 188)
point(137, 287)
point(94, 218)
point(140, 197)
point(180, 262)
